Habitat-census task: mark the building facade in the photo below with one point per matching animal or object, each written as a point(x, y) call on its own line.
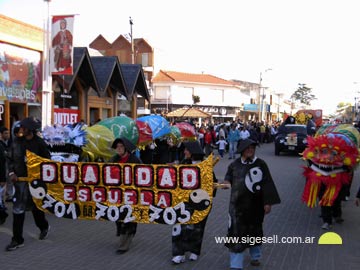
point(137, 51)
point(20, 70)
point(221, 98)
point(91, 93)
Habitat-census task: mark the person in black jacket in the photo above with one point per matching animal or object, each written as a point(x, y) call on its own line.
point(188, 237)
point(253, 192)
point(17, 168)
point(3, 213)
point(124, 154)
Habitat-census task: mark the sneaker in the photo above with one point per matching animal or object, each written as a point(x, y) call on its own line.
point(44, 233)
point(178, 259)
point(193, 257)
point(14, 245)
point(326, 226)
point(255, 262)
point(121, 251)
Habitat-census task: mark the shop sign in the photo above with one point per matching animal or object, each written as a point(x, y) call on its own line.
point(66, 116)
point(1, 111)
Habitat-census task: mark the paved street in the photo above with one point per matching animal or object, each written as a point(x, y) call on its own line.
point(91, 244)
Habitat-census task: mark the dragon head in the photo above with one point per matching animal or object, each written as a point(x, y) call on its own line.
point(331, 153)
point(331, 157)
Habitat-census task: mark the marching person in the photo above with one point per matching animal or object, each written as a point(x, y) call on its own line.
point(253, 192)
point(17, 168)
point(124, 154)
point(188, 237)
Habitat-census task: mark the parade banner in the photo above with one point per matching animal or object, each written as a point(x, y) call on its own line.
point(141, 193)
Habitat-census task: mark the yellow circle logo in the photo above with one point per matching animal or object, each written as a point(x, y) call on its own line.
point(330, 238)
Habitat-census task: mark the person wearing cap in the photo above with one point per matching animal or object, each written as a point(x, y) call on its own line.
point(124, 154)
point(188, 237)
point(17, 168)
point(253, 192)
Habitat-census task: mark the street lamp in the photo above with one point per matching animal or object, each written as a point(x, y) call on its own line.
point(355, 115)
point(134, 97)
point(279, 95)
point(261, 97)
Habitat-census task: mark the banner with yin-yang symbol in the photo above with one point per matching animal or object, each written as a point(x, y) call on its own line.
point(143, 193)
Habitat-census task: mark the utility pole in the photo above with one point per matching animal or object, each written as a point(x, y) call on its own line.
point(46, 99)
point(134, 97)
point(261, 97)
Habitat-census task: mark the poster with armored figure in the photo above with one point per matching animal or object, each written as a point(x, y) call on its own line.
point(61, 52)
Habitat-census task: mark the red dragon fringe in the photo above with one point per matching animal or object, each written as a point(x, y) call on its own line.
point(333, 185)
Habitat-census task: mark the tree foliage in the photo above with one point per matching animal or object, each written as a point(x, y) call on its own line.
point(303, 94)
point(343, 105)
point(196, 99)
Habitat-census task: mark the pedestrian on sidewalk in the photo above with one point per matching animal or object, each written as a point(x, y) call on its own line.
point(17, 168)
point(124, 154)
point(253, 192)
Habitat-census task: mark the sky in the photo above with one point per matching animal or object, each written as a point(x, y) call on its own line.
point(312, 42)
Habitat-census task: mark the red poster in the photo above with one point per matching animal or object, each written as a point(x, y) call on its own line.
point(61, 51)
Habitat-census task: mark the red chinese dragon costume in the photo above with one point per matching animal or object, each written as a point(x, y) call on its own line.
point(331, 156)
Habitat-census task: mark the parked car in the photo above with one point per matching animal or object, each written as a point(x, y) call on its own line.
point(291, 138)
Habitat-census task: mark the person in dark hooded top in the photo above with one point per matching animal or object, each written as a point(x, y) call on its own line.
point(188, 237)
point(124, 154)
point(22, 200)
point(253, 192)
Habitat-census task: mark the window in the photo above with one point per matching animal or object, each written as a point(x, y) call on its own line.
point(145, 59)
point(161, 92)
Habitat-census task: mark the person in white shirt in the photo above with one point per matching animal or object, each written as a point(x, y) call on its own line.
point(244, 133)
point(222, 145)
point(222, 131)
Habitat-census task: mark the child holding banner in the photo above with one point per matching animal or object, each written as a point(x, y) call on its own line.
point(124, 154)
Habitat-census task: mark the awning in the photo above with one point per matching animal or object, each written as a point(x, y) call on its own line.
point(188, 112)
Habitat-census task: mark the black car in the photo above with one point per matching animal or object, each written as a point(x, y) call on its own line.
point(291, 138)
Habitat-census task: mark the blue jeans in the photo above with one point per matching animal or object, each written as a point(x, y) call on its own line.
point(232, 149)
point(237, 259)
